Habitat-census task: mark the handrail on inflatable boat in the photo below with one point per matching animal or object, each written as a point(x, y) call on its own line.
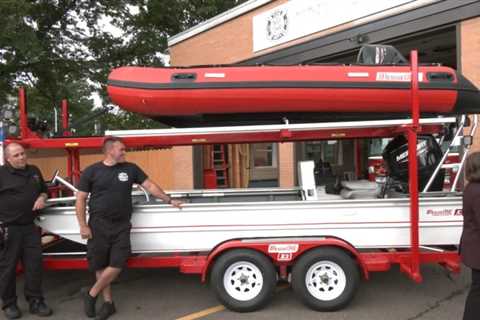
point(465, 153)
point(461, 126)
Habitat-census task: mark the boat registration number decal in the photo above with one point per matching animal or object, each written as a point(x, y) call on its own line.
point(283, 248)
point(397, 76)
point(444, 212)
point(214, 75)
point(284, 257)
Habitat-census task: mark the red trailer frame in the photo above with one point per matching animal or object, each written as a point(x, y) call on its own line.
point(409, 260)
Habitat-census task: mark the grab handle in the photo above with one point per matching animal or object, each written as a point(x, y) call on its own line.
point(184, 77)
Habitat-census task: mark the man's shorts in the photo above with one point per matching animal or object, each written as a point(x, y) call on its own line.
point(109, 246)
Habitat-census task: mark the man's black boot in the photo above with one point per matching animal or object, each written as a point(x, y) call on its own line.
point(107, 309)
point(40, 308)
point(89, 303)
point(12, 312)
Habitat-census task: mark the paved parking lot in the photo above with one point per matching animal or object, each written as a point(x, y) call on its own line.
point(166, 294)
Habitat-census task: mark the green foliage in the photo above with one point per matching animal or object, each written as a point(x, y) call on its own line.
point(60, 48)
point(126, 120)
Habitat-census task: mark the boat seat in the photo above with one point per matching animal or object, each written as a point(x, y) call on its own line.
point(323, 195)
point(359, 189)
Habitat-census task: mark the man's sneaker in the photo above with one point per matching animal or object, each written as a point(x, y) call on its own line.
point(88, 303)
point(38, 307)
point(12, 312)
point(107, 309)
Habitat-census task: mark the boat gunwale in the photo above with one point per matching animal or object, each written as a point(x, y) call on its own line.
point(273, 205)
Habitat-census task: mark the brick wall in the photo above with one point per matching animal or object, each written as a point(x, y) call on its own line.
point(226, 43)
point(157, 164)
point(232, 41)
point(182, 167)
point(470, 58)
point(286, 165)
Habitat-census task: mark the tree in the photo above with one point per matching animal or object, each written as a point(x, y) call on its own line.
point(60, 48)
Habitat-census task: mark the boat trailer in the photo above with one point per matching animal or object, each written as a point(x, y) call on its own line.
point(311, 252)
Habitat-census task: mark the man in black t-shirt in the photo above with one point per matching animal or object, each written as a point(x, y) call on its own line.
point(22, 192)
point(109, 184)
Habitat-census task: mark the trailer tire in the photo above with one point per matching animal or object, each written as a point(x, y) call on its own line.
point(243, 280)
point(325, 279)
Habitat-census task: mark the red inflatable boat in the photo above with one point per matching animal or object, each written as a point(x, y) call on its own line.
point(252, 94)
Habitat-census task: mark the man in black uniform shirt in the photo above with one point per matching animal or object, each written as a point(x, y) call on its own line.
point(22, 192)
point(109, 184)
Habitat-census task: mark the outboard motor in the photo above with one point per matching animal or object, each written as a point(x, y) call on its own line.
point(380, 54)
point(429, 155)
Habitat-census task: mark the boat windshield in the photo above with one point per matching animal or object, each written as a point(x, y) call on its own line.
point(377, 146)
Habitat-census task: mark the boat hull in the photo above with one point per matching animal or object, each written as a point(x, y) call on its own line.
point(203, 226)
point(275, 91)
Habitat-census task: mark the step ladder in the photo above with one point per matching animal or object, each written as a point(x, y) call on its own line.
point(219, 165)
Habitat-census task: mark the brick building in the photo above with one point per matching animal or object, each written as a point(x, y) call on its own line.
point(300, 31)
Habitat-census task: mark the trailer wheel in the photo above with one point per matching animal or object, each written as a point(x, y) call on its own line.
point(325, 279)
point(243, 280)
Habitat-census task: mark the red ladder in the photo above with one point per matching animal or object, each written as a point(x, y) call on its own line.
point(219, 164)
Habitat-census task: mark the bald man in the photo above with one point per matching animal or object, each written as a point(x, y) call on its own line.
point(22, 192)
point(109, 184)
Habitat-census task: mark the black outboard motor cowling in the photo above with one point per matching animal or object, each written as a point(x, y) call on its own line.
point(429, 155)
point(380, 54)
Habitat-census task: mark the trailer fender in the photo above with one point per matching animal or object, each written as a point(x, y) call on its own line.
point(282, 251)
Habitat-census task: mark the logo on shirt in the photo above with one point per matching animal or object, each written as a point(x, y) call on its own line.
point(123, 176)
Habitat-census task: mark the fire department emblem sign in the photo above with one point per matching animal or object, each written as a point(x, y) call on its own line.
point(277, 24)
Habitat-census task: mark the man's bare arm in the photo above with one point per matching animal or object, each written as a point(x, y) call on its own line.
point(81, 211)
point(40, 202)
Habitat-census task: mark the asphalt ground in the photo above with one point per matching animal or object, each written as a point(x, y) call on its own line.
point(167, 294)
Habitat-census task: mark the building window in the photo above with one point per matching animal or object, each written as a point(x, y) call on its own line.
point(264, 155)
point(330, 151)
point(264, 163)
